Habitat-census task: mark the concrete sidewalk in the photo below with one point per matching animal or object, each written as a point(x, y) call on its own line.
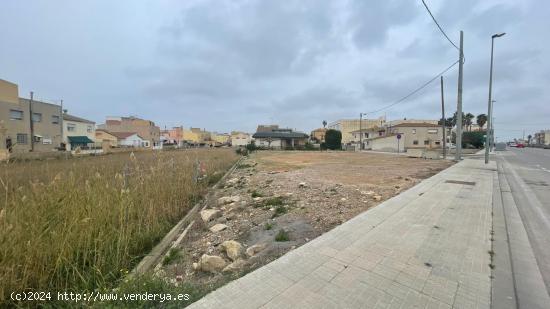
point(425, 248)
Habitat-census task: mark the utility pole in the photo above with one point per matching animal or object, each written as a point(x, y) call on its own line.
point(489, 131)
point(31, 121)
point(458, 153)
point(360, 131)
point(443, 124)
point(61, 125)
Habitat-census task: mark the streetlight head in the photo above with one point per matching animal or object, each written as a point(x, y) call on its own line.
point(498, 35)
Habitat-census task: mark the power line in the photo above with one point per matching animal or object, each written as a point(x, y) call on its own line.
point(438, 26)
point(414, 91)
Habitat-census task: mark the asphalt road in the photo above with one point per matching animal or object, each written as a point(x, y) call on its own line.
point(528, 173)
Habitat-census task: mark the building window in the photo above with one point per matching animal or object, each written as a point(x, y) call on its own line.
point(413, 131)
point(16, 115)
point(71, 127)
point(432, 131)
point(36, 117)
point(426, 142)
point(55, 119)
point(22, 138)
point(438, 143)
point(90, 129)
point(415, 142)
point(37, 139)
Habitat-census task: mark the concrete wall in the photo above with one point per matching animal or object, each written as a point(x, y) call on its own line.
point(9, 92)
point(388, 144)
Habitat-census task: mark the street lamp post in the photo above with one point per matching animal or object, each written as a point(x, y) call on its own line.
point(490, 103)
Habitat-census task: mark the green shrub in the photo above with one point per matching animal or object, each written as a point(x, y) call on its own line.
point(282, 236)
point(280, 210)
point(256, 194)
point(251, 147)
point(333, 139)
point(309, 146)
point(274, 201)
point(173, 255)
point(268, 226)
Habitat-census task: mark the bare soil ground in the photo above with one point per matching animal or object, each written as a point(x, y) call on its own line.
point(304, 194)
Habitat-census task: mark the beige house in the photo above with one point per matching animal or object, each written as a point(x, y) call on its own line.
point(411, 136)
point(77, 132)
point(146, 129)
point(104, 137)
point(346, 126)
point(197, 136)
point(240, 139)
point(27, 125)
point(221, 138)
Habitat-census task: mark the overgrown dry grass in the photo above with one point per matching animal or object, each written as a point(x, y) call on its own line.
point(80, 224)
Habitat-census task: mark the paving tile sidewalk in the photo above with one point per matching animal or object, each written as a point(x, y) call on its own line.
point(425, 248)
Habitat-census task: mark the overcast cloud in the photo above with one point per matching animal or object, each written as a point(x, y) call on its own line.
point(231, 65)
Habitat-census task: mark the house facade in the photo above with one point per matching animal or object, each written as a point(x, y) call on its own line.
point(27, 125)
point(131, 139)
point(173, 136)
point(240, 139)
point(105, 137)
point(279, 138)
point(411, 136)
point(146, 129)
point(77, 132)
point(346, 126)
point(221, 138)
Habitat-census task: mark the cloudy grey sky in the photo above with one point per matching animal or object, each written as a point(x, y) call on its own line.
point(230, 65)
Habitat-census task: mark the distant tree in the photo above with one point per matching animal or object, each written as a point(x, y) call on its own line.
point(481, 120)
point(333, 139)
point(448, 122)
point(529, 137)
point(455, 119)
point(451, 121)
point(469, 117)
point(324, 123)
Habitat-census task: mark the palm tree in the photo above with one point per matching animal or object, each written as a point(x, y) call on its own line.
point(324, 123)
point(468, 121)
point(481, 120)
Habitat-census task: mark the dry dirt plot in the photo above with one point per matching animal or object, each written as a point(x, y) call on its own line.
point(276, 201)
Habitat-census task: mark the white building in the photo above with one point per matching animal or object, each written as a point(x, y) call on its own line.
point(130, 139)
point(239, 139)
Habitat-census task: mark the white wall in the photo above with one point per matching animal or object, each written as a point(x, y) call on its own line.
point(386, 144)
point(240, 140)
point(262, 142)
point(133, 141)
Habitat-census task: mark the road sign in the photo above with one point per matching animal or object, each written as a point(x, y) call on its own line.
point(398, 136)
